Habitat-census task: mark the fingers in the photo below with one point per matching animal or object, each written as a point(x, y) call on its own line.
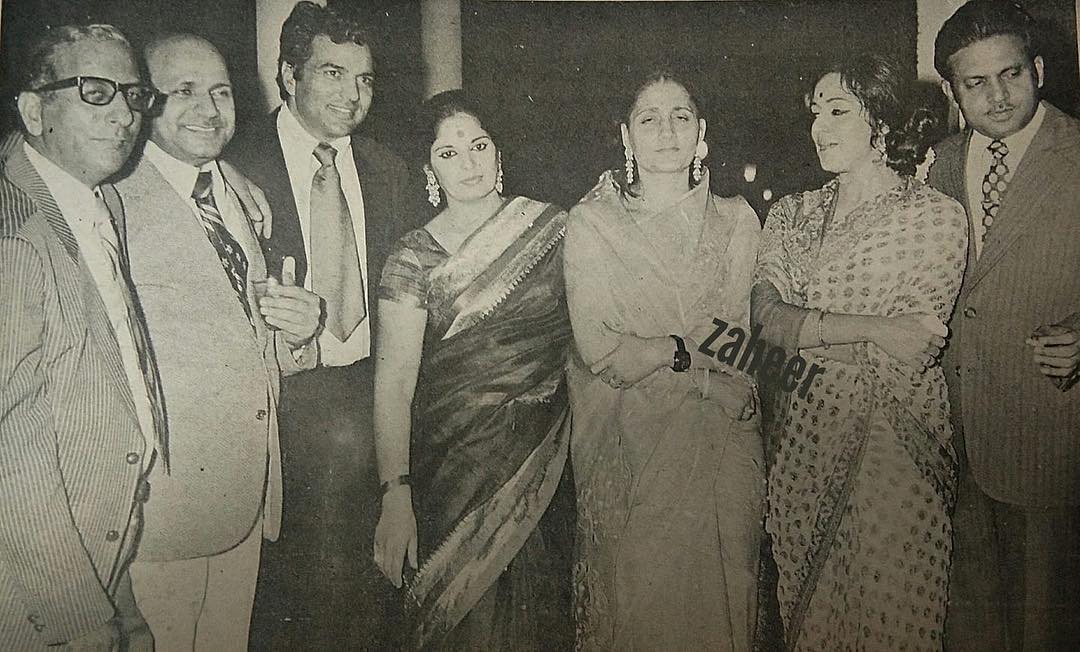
point(1067, 338)
point(934, 325)
point(288, 269)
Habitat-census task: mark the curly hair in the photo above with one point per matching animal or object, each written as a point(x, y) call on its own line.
point(887, 97)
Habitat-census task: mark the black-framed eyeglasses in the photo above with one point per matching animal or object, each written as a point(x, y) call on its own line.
point(100, 91)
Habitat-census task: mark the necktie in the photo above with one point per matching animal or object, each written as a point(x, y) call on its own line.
point(335, 265)
point(106, 232)
point(994, 183)
point(229, 251)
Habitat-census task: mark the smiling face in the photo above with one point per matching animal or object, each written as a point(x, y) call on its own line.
point(464, 158)
point(331, 92)
point(663, 129)
point(199, 117)
point(841, 129)
point(996, 85)
point(89, 142)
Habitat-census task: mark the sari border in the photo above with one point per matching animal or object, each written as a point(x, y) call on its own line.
point(442, 592)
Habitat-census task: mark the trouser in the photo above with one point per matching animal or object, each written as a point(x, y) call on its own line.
point(202, 603)
point(1015, 572)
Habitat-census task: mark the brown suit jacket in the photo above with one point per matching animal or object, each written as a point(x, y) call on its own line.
point(71, 448)
point(1021, 434)
point(221, 379)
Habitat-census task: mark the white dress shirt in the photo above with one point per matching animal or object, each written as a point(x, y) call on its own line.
point(298, 147)
point(90, 222)
point(979, 158)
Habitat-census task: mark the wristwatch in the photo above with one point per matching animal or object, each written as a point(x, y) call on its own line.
point(682, 356)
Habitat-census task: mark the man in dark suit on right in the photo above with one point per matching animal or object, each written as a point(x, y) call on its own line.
point(1013, 353)
point(339, 202)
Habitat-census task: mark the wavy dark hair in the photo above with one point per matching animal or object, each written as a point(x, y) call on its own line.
point(307, 21)
point(438, 108)
point(889, 100)
point(655, 76)
point(978, 20)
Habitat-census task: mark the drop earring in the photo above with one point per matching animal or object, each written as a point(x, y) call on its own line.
point(499, 176)
point(699, 154)
point(432, 186)
point(629, 165)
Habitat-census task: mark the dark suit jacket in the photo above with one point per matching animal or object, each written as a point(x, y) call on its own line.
point(221, 379)
point(392, 199)
point(1021, 434)
point(71, 448)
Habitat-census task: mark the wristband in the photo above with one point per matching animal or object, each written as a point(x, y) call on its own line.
point(392, 483)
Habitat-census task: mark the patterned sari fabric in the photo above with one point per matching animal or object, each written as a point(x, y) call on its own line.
point(670, 489)
point(490, 428)
point(863, 481)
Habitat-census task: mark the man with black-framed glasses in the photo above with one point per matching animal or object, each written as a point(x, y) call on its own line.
point(81, 418)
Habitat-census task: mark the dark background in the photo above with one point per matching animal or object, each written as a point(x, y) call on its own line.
point(556, 75)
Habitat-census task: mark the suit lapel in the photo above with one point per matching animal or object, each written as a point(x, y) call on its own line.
point(1022, 198)
point(22, 173)
point(287, 238)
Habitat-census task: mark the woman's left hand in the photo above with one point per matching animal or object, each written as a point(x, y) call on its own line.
point(633, 358)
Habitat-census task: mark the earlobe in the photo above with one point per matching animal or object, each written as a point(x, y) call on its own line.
point(946, 88)
point(1039, 70)
point(625, 133)
point(288, 79)
point(29, 105)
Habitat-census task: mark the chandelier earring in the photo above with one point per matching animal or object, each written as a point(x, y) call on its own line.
point(629, 165)
point(699, 154)
point(432, 186)
point(878, 143)
point(499, 175)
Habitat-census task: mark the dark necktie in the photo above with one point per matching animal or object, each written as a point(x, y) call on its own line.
point(335, 265)
point(228, 249)
point(994, 183)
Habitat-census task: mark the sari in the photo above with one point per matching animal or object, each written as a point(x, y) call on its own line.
point(490, 430)
point(670, 490)
point(863, 481)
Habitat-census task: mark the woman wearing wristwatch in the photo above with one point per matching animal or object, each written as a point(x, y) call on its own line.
point(666, 447)
point(858, 276)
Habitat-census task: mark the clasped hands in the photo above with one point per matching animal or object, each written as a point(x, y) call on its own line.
point(290, 308)
point(635, 358)
point(1056, 352)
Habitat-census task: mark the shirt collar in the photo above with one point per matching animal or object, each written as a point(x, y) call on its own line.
point(296, 137)
point(1018, 142)
point(180, 175)
point(73, 197)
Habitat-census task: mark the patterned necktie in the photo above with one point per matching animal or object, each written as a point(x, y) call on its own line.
point(335, 265)
point(228, 249)
point(106, 232)
point(994, 183)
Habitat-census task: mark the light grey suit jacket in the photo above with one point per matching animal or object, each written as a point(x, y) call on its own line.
point(1021, 434)
point(220, 378)
point(71, 449)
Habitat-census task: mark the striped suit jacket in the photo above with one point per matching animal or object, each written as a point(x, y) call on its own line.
point(71, 449)
point(1021, 434)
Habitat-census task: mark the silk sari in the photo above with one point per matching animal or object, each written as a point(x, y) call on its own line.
point(863, 481)
point(490, 426)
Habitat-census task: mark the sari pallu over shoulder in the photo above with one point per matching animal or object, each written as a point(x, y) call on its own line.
point(491, 423)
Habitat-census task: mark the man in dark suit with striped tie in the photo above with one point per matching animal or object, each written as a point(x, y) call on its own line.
point(1015, 344)
point(80, 411)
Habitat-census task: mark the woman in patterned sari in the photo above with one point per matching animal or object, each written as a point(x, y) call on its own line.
point(666, 447)
point(469, 374)
point(858, 277)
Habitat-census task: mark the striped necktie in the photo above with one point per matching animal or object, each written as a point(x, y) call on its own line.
point(232, 257)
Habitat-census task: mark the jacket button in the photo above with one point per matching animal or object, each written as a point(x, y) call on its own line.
point(969, 312)
point(957, 370)
point(112, 535)
point(132, 458)
point(260, 415)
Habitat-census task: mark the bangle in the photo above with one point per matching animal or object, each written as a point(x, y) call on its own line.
point(820, 328)
point(402, 479)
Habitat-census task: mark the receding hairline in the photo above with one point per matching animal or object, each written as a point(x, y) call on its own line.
point(155, 46)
